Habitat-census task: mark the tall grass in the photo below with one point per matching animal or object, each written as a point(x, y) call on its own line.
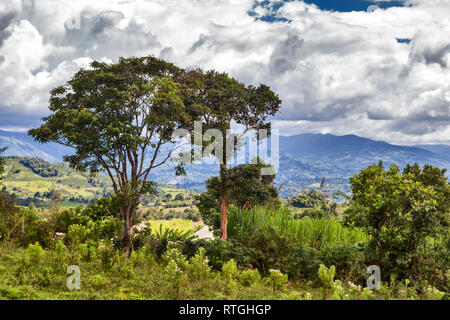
point(307, 232)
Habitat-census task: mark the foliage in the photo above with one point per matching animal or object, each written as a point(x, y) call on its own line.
point(35, 253)
point(230, 269)
point(249, 277)
point(245, 186)
point(306, 232)
point(104, 207)
point(40, 167)
point(277, 280)
point(401, 212)
point(326, 275)
point(114, 116)
point(35, 273)
point(309, 199)
point(198, 265)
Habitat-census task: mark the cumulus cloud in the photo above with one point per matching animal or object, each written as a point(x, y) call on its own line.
point(337, 72)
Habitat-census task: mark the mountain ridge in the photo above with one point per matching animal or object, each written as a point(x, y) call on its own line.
point(305, 159)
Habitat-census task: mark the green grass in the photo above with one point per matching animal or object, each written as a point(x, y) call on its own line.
point(24, 183)
point(144, 277)
point(307, 232)
point(175, 224)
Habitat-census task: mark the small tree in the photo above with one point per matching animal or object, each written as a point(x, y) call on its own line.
point(399, 211)
point(117, 118)
point(245, 187)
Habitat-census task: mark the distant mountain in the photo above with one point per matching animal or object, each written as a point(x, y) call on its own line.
point(304, 160)
point(440, 150)
point(353, 153)
point(21, 145)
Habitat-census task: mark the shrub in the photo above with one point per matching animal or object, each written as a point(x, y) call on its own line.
point(35, 253)
point(277, 280)
point(326, 275)
point(198, 267)
point(230, 270)
point(175, 275)
point(400, 212)
point(337, 291)
point(300, 263)
point(175, 255)
point(77, 234)
point(249, 277)
point(106, 253)
point(87, 251)
point(433, 294)
point(348, 261)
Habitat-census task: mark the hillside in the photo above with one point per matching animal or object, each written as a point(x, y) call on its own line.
point(27, 176)
point(304, 161)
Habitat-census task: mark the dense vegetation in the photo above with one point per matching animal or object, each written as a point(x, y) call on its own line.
point(40, 167)
point(306, 248)
point(270, 253)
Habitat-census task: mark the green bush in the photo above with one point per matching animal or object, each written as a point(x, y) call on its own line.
point(249, 277)
point(326, 275)
point(35, 253)
point(277, 280)
point(198, 266)
point(402, 213)
point(230, 269)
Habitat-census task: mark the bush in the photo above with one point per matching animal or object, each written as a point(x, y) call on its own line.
point(277, 280)
point(198, 267)
point(349, 262)
point(35, 253)
point(249, 277)
point(402, 213)
point(77, 234)
point(230, 270)
point(326, 275)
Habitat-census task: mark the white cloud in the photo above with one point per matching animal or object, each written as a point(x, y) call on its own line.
point(336, 72)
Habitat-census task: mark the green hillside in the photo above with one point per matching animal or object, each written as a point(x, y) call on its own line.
point(25, 177)
point(33, 180)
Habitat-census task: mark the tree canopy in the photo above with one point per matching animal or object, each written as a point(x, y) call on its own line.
point(225, 101)
point(117, 117)
point(401, 212)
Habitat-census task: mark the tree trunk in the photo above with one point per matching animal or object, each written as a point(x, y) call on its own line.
point(128, 215)
point(223, 216)
point(223, 204)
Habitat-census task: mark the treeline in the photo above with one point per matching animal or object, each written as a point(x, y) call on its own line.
point(40, 167)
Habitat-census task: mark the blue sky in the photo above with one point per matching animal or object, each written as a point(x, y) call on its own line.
point(339, 69)
point(353, 5)
point(336, 5)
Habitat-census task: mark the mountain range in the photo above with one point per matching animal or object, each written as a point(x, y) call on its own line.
point(305, 160)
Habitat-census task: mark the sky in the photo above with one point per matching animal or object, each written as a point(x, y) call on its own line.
point(377, 69)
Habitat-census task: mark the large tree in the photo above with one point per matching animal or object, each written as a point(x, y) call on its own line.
point(117, 118)
point(222, 101)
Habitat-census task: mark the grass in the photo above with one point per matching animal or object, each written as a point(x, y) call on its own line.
point(23, 182)
point(175, 224)
point(143, 277)
point(307, 232)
